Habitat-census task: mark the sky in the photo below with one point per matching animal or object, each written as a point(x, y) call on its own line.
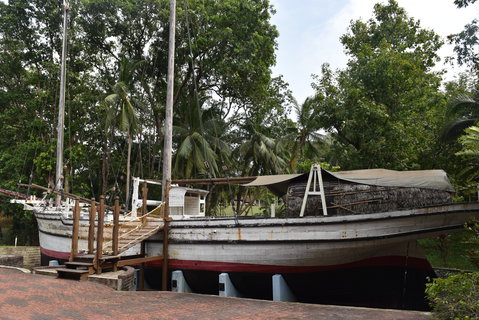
point(310, 31)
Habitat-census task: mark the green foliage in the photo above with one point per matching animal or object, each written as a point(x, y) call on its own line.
point(452, 251)
point(116, 63)
point(470, 153)
point(463, 3)
point(473, 243)
point(19, 224)
point(455, 297)
point(385, 108)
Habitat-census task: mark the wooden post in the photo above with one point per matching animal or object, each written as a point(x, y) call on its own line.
point(91, 227)
point(61, 106)
point(168, 143)
point(76, 229)
point(141, 284)
point(164, 269)
point(116, 225)
point(144, 195)
point(99, 236)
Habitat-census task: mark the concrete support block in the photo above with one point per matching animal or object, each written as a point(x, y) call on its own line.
point(226, 287)
point(281, 290)
point(53, 263)
point(178, 282)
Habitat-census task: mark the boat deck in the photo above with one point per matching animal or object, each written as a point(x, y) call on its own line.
point(29, 296)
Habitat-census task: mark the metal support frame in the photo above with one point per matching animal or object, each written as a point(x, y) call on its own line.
point(315, 175)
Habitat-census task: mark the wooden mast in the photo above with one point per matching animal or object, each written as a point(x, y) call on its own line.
point(168, 144)
point(61, 107)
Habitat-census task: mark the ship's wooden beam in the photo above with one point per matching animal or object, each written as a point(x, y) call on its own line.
point(128, 262)
point(233, 180)
point(69, 195)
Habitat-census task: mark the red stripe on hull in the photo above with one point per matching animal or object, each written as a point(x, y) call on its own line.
point(393, 261)
point(55, 254)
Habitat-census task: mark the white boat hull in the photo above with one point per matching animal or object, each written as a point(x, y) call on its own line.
point(309, 243)
point(364, 260)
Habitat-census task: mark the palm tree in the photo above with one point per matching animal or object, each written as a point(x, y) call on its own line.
point(306, 136)
point(121, 111)
point(468, 109)
point(470, 150)
point(258, 154)
point(470, 142)
point(261, 154)
point(201, 147)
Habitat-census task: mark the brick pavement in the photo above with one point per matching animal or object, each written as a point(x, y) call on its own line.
point(36, 297)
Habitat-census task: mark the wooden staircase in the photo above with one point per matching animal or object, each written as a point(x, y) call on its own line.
point(76, 270)
point(108, 256)
point(135, 232)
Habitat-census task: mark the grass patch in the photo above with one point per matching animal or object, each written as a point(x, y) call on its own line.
point(449, 251)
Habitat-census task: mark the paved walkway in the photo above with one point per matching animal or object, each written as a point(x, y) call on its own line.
point(35, 297)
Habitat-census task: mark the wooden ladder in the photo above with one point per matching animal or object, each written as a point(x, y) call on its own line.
point(316, 179)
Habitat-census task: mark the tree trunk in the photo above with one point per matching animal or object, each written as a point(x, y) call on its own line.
point(105, 164)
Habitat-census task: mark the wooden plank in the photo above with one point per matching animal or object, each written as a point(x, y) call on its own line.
point(144, 195)
point(138, 260)
point(76, 229)
point(141, 285)
point(232, 180)
point(164, 268)
point(116, 225)
point(78, 264)
point(340, 206)
point(99, 237)
point(72, 274)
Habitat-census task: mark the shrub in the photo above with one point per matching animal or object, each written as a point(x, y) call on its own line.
point(455, 297)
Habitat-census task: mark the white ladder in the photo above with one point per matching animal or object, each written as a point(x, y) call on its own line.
point(315, 175)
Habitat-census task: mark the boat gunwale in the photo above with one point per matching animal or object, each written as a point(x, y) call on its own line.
point(234, 222)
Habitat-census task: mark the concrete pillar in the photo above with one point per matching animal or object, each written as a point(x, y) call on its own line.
point(178, 282)
point(281, 290)
point(226, 287)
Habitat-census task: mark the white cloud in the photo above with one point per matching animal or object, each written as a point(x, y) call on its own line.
point(310, 31)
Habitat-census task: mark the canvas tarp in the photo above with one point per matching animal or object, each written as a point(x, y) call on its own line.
point(278, 184)
point(429, 179)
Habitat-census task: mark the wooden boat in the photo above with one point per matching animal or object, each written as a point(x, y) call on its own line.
point(309, 250)
point(359, 253)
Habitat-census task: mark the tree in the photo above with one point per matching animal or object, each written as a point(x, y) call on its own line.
point(224, 57)
point(385, 107)
point(466, 42)
point(306, 137)
point(122, 113)
point(467, 107)
point(201, 148)
point(463, 3)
